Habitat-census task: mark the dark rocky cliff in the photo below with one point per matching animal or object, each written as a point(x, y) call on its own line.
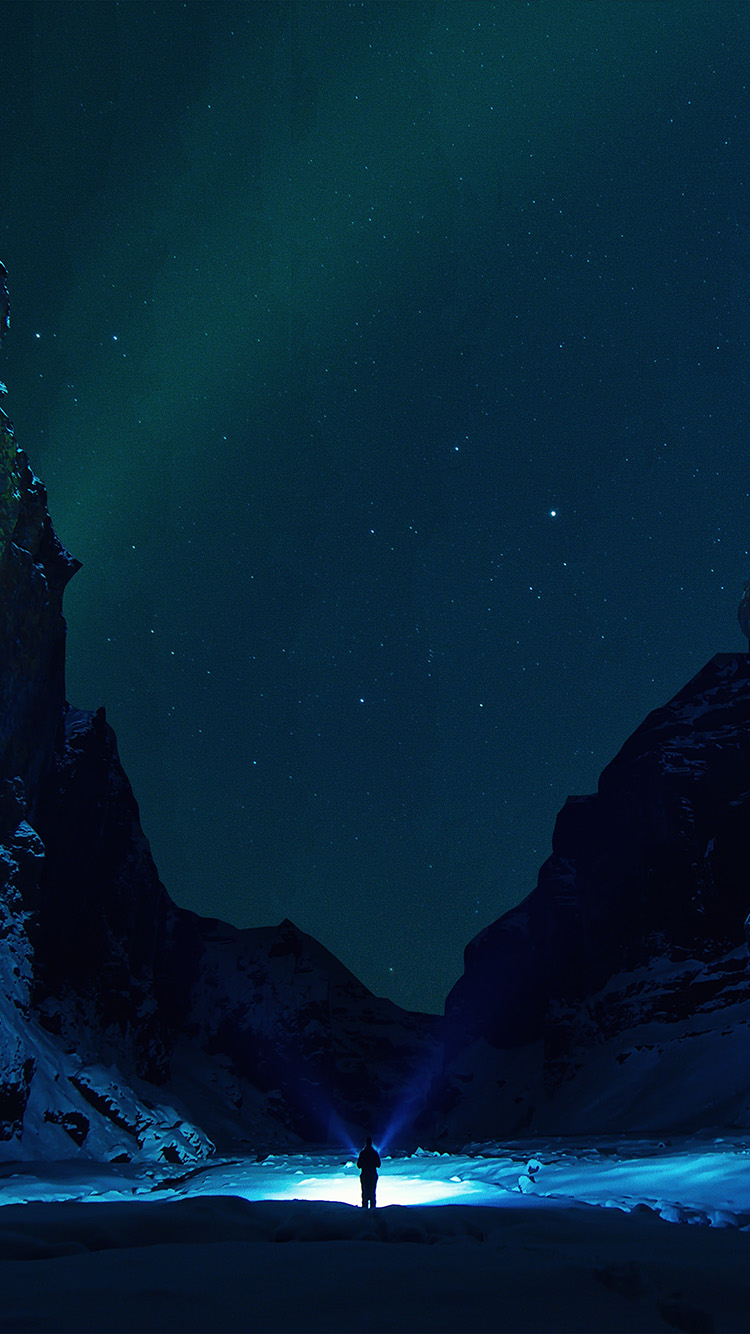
point(170, 994)
point(638, 920)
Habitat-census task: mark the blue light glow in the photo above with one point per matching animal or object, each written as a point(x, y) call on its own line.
point(704, 1181)
point(392, 1189)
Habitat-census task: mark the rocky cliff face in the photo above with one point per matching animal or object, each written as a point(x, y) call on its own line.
point(599, 1003)
point(130, 1026)
point(34, 569)
point(262, 1021)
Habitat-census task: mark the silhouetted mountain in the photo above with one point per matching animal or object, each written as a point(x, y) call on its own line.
point(616, 995)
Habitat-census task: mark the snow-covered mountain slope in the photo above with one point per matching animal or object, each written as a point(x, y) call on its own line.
point(616, 995)
point(52, 1100)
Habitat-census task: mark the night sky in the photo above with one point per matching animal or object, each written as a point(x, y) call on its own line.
point(386, 364)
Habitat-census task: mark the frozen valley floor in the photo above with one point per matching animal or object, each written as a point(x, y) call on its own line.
point(514, 1239)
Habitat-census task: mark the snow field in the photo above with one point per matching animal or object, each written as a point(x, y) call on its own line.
point(505, 1239)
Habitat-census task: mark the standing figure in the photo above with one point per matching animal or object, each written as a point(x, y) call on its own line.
point(743, 615)
point(368, 1164)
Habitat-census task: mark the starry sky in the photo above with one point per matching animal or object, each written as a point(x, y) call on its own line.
point(386, 364)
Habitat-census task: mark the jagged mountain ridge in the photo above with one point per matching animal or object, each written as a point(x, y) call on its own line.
point(270, 1007)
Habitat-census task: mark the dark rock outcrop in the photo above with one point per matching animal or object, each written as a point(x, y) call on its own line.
point(637, 923)
point(34, 569)
point(159, 990)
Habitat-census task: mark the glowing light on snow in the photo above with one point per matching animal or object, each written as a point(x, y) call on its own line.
point(391, 1190)
point(705, 1181)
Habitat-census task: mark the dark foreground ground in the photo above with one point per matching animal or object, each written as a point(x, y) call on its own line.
point(220, 1263)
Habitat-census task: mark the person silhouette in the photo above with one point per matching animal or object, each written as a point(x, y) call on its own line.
point(368, 1164)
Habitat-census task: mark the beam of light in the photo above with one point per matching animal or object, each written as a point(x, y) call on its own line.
point(414, 1095)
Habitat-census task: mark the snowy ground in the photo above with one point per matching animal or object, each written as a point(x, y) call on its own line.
point(497, 1238)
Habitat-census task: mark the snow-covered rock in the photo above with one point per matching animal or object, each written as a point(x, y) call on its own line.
point(20, 854)
point(51, 1104)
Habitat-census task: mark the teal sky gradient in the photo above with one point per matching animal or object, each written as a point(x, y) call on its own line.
point(319, 312)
